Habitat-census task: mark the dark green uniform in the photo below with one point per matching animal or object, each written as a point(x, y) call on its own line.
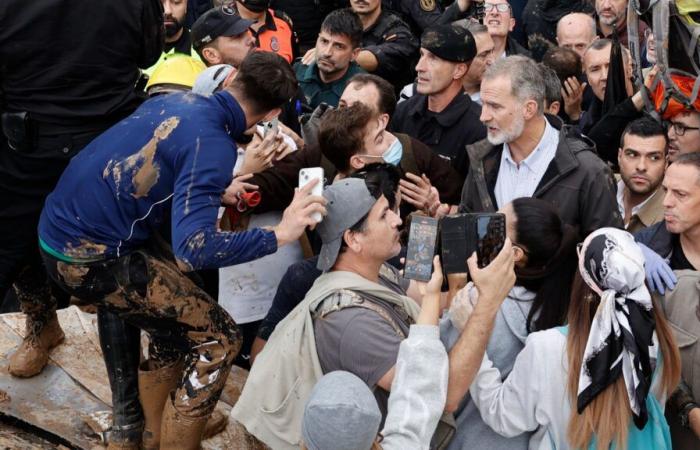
point(316, 91)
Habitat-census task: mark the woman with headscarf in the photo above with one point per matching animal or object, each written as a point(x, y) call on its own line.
point(616, 362)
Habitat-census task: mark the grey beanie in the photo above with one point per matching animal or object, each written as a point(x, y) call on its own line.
point(341, 414)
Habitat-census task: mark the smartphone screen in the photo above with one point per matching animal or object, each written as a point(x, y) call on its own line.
point(421, 248)
point(490, 232)
point(454, 243)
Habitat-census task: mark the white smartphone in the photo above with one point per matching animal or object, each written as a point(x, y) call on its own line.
point(271, 126)
point(308, 174)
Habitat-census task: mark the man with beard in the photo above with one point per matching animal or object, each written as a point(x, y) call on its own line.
point(642, 161)
point(441, 115)
point(611, 15)
point(177, 36)
point(220, 36)
point(528, 154)
point(337, 46)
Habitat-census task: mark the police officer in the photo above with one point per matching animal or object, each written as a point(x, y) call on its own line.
point(272, 30)
point(441, 114)
point(55, 99)
point(388, 46)
point(420, 14)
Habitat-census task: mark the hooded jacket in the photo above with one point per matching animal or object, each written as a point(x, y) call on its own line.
point(578, 183)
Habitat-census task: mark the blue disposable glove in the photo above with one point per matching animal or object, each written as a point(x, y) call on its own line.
point(659, 274)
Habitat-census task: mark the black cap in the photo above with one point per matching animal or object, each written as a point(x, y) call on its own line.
point(449, 42)
point(219, 21)
point(255, 5)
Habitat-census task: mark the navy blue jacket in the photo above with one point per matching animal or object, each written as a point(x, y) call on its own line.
point(175, 153)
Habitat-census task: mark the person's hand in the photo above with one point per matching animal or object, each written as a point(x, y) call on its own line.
point(694, 421)
point(651, 76)
point(260, 152)
point(284, 129)
point(417, 192)
point(310, 125)
point(659, 274)
point(237, 186)
point(463, 305)
point(430, 296)
point(309, 57)
point(434, 285)
point(494, 281)
point(298, 214)
point(572, 93)
point(463, 5)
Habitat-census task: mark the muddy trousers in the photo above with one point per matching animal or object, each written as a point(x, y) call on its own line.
point(182, 320)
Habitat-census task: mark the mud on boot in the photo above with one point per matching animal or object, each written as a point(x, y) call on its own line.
point(33, 353)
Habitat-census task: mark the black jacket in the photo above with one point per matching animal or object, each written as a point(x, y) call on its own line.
point(75, 62)
point(577, 182)
point(447, 132)
point(390, 40)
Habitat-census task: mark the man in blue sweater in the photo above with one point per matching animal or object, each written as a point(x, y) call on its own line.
point(175, 155)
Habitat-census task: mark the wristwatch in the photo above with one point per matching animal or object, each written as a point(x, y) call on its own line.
point(684, 413)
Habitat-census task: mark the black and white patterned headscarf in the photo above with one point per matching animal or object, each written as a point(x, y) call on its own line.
point(622, 340)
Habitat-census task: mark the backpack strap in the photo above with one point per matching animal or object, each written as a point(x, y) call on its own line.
point(345, 298)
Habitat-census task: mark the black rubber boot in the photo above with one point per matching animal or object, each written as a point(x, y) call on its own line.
point(120, 344)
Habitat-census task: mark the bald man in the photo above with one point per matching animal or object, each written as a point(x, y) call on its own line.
point(576, 31)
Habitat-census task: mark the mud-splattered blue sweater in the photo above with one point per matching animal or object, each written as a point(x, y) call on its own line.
point(175, 153)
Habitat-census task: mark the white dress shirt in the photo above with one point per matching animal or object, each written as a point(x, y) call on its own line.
point(521, 180)
point(621, 203)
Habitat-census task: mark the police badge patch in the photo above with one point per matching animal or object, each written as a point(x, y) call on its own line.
point(427, 5)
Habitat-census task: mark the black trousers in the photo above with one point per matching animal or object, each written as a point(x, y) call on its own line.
point(28, 173)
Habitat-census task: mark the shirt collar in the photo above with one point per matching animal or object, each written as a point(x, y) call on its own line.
point(645, 215)
point(548, 141)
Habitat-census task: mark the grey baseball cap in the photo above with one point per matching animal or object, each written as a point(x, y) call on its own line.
point(341, 414)
point(211, 78)
point(349, 200)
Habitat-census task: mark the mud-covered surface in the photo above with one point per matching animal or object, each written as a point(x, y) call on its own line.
point(17, 438)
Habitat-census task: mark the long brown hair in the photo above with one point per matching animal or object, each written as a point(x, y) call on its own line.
point(608, 415)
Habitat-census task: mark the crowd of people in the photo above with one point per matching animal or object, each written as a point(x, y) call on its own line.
point(150, 170)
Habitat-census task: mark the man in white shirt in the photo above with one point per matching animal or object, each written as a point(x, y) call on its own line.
point(527, 154)
point(642, 160)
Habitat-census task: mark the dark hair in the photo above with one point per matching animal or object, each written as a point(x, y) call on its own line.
point(552, 85)
point(265, 80)
point(688, 159)
point(542, 236)
point(344, 21)
point(387, 96)
point(381, 179)
point(341, 133)
point(644, 127)
point(565, 62)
